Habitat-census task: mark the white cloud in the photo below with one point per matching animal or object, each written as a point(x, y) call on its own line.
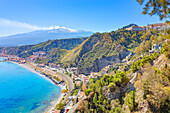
point(5, 22)
point(10, 27)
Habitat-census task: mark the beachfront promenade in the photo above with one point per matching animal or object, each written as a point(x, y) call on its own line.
point(60, 75)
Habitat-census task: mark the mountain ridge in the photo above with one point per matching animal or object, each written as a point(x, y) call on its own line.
point(40, 36)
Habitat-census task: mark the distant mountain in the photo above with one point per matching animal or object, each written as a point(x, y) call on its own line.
point(39, 36)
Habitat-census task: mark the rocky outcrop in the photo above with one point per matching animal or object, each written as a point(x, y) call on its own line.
point(99, 64)
point(161, 61)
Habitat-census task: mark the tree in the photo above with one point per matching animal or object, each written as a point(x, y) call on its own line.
point(75, 86)
point(111, 87)
point(95, 99)
point(119, 110)
point(100, 90)
point(130, 101)
point(114, 104)
point(152, 37)
point(60, 106)
point(156, 90)
point(134, 67)
point(145, 59)
point(119, 78)
point(158, 7)
point(87, 92)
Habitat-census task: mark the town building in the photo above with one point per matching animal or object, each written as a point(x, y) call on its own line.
point(41, 65)
point(164, 25)
point(93, 74)
point(134, 28)
point(161, 26)
point(39, 54)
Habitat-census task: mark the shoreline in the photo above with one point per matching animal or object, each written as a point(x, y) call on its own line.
point(56, 101)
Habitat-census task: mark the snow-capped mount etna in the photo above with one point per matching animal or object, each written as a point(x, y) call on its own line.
point(35, 37)
point(60, 29)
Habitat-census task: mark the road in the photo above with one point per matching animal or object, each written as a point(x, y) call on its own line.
point(72, 110)
point(63, 76)
point(70, 84)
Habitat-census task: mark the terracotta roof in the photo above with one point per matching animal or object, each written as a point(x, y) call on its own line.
point(137, 27)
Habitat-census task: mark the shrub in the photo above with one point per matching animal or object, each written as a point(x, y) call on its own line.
point(134, 67)
point(87, 92)
point(120, 77)
point(119, 110)
point(111, 87)
point(130, 101)
point(154, 56)
point(75, 92)
point(60, 106)
point(145, 59)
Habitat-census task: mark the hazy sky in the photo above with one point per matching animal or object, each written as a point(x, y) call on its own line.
point(18, 16)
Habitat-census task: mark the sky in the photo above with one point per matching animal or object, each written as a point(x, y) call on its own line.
point(19, 16)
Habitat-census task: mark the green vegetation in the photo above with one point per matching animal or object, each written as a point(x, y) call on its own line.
point(158, 7)
point(113, 69)
point(74, 92)
point(54, 56)
point(119, 78)
point(97, 100)
point(155, 86)
point(110, 46)
point(88, 91)
point(60, 106)
point(140, 84)
point(144, 47)
point(76, 88)
point(144, 86)
point(135, 66)
point(25, 51)
point(130, 101)
point(166, 48)
point(111, 87)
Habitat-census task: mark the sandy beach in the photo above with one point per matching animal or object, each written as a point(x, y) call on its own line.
point(53, 103)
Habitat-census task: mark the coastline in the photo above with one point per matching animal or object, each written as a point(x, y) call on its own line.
point(56, 101)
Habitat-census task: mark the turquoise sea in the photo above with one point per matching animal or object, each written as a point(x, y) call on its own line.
point(22, 91)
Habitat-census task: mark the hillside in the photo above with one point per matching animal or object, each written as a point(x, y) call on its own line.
point(138, 85)
point(102, 49)
point(25, 51)
point(88, 54)
point(54, 55)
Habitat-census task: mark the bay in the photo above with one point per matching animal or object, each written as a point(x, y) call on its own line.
point(22, 91)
